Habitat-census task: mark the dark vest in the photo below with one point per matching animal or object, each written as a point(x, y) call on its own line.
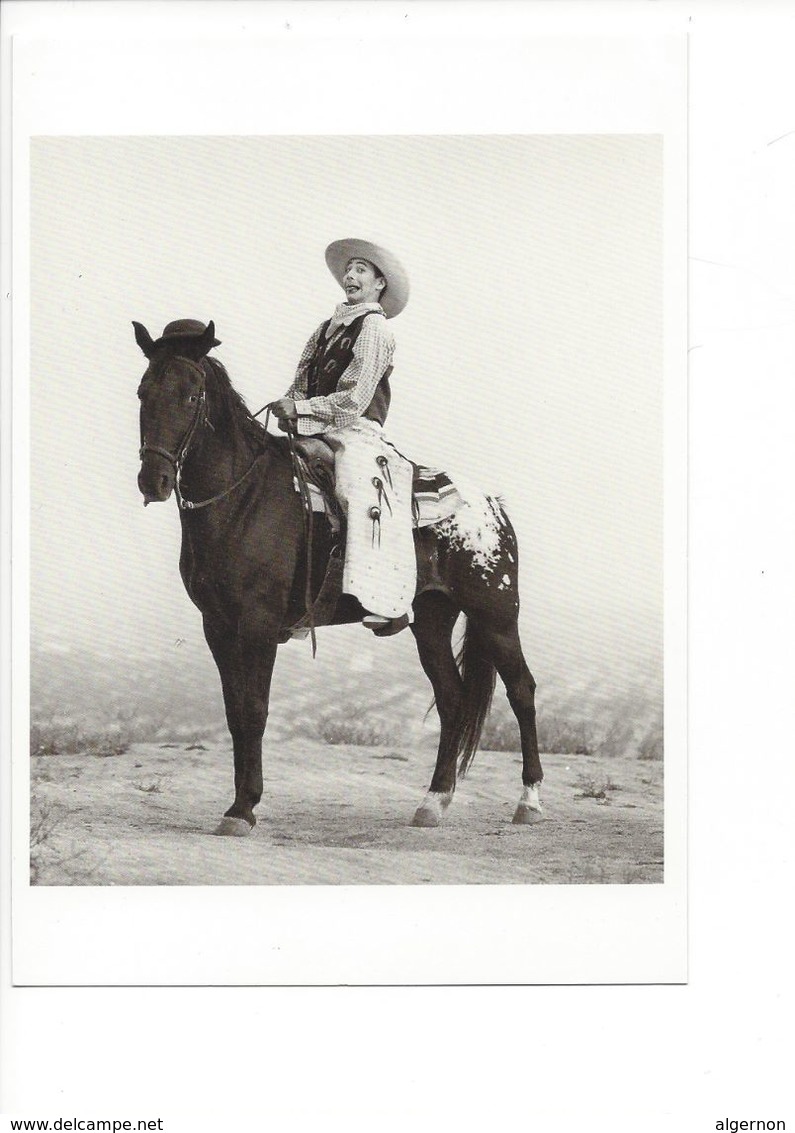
point(331, 359)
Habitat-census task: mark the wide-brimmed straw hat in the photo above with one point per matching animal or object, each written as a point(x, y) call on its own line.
point(396, 295)
point(183, 328)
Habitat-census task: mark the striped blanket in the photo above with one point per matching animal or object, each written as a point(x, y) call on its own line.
point(435, 496)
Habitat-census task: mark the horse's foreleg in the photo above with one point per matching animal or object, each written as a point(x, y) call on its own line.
point(245, 664)
point(435, 617)
point(506, 652)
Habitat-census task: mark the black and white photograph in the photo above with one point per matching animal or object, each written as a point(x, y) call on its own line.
point(498, 390)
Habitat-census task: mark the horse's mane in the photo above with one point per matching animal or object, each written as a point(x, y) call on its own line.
point(228, 410)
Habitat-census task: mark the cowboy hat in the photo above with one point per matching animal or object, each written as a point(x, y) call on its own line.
point(396, 296)
point(184, 328)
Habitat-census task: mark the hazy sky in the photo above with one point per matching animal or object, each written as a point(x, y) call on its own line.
point(529, 357)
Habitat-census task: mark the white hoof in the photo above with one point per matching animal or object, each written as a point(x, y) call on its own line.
point(233, 827)
point(528, 809)
point(433, 806)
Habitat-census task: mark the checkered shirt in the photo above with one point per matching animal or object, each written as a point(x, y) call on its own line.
point(372, 356)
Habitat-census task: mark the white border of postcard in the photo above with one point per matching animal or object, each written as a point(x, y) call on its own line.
point(531, 77)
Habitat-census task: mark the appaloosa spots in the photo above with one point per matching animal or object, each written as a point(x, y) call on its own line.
point(476, 527)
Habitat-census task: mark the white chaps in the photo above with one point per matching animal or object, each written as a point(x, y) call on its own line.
point(374, 485)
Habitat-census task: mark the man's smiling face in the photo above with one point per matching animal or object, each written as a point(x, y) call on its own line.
point(362, 283)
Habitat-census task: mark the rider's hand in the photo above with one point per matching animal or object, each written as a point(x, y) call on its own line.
point(284, 409)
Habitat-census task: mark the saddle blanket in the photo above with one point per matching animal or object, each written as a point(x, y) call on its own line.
point(435, 496)
point(384, 495)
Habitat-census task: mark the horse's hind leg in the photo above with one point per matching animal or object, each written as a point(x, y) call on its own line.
point(435, 618)
point(505, 650)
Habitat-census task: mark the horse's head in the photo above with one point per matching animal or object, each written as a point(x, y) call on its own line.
point(173, 406)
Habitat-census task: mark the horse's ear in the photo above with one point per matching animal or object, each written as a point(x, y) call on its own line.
point(143, 338)
point(207, 340)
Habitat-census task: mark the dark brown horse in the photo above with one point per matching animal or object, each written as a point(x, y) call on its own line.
point(243, 563)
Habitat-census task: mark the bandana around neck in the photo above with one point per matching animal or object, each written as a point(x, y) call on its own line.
point(345, 313)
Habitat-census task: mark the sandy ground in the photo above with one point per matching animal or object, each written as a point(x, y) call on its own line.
point(338, 815)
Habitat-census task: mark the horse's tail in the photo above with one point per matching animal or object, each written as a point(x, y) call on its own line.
point(479, 677)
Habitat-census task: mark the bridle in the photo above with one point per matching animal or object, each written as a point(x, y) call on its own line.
point(300, 481)
point(177, 459)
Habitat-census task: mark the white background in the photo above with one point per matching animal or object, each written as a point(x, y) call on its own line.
point(565, 1058)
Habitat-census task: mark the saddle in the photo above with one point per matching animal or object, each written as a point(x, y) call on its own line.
point(434, 498)
point(434, 495)
point(316, 453)
point(313, 478)
point(318, 461)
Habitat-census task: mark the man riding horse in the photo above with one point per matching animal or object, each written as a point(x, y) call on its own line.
point(341, 396)
point(244, 536)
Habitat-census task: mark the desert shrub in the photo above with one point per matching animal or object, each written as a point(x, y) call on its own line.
point(595, 787)
point(188, 736)
point(617, 734)
point(500, 732)
point(152, 788)
point(54, 739)
point(44, 819)
point(49, 849)
point(631, 725)
point(556, 733)
point(354, 725)
point(651, 745)
point(66, 736)
point(566, 737)
point(599, 721)
point(587, 873)
point(69, 738)
point(106, 745)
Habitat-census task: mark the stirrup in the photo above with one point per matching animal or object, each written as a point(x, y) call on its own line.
point(385, 627)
